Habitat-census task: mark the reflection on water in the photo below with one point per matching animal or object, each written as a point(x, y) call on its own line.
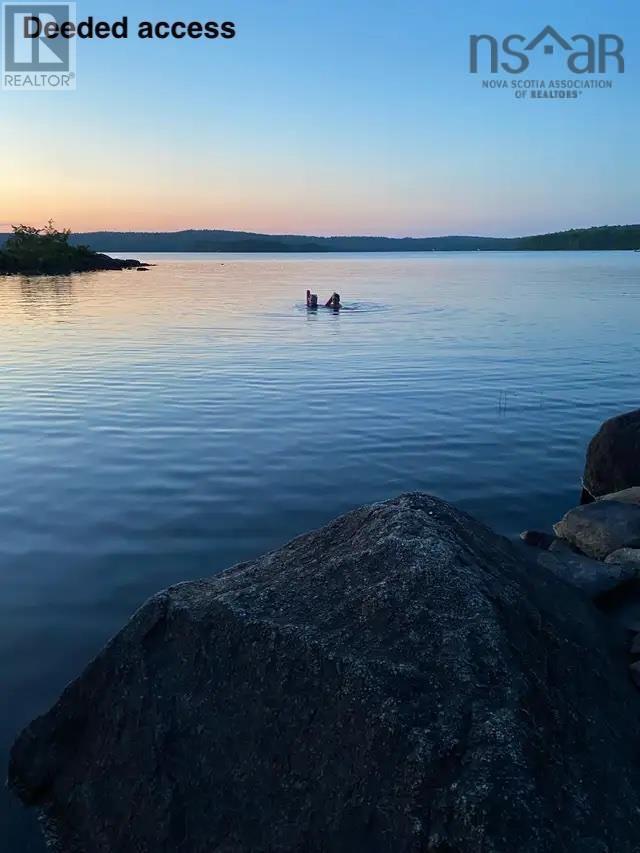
point(50, 294)
point(160, 427)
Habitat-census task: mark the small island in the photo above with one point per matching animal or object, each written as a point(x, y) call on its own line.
point(47, 251)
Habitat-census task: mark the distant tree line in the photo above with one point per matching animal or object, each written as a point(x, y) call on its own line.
point(49, 250)
point(607, 237)
point(604, 237)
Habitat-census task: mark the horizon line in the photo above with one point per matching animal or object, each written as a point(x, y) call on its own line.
point(9, 226)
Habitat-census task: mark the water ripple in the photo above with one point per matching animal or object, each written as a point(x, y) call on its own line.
point(161, 427)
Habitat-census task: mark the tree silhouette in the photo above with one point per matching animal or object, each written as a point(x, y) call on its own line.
point(42, 250)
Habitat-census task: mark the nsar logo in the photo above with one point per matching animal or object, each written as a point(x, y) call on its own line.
point(584, 54)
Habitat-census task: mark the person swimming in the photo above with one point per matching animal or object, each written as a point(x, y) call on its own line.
point(332, 302)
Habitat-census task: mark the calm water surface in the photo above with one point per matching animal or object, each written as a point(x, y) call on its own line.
point(160, 426)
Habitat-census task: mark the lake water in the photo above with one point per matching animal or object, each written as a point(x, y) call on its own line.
point(157, 427)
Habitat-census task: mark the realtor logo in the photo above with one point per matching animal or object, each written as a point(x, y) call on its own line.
point(31, 61)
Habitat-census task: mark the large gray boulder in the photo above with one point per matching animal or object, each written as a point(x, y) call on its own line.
point(400, 681)
point(613, 456)
point(626, 496)
point(629, 556)
point(597, 529)
point(592, 577)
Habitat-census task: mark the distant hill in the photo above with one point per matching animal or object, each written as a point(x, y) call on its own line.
point(604, 237)
point(241, 241)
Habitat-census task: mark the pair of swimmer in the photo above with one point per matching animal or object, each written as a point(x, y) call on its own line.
point(332, 302)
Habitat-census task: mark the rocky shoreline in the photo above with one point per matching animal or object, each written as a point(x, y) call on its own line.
point(596, 546)
point(36, 251)
point(95, 262)
point(403, 679)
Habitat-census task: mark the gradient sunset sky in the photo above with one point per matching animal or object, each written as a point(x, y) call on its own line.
point(333, 117)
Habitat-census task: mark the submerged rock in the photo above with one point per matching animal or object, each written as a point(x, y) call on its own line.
point(401, 680)
point(613, 456)
point(599, 528)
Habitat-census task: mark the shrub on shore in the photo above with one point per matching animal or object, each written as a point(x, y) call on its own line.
point(47, 251)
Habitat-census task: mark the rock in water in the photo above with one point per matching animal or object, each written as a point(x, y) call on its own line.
point(600, 528)
point(630, 556)
point(594, 578)
point(613, 457)
point(537, 539)
point(626, 496)
point(401, 680)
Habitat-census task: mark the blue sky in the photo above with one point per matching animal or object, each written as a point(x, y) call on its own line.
point(325, 117)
